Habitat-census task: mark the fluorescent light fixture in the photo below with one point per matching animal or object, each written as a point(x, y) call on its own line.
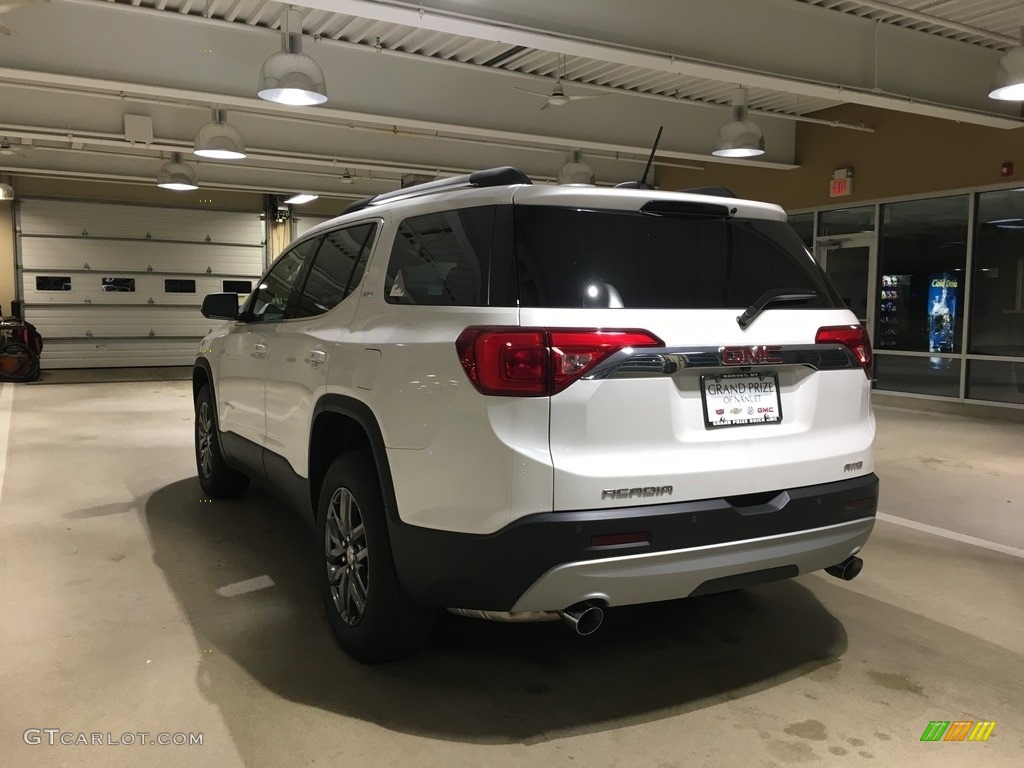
point(1008, 84)
point(177, 175)
point(219, 139)
point(300, 199)
point(290, 76)
point(740, 137)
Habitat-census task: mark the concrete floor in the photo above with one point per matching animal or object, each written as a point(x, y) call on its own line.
point(111, 562)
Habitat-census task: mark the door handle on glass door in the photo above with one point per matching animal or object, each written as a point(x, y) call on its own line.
point(259, 350)
point(315, 357)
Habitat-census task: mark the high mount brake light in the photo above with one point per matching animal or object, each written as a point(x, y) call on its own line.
point(854, 338)
point(538, 362)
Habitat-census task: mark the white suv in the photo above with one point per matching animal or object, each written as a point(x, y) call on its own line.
point(528, 402)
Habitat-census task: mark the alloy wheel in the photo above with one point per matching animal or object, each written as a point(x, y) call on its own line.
point(347, 556)
point(205, 439)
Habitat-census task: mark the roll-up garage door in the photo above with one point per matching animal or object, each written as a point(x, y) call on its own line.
point(121, 285)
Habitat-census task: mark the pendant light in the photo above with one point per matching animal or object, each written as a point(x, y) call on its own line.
point(290, 76)
point(177, 175)
point(740, 137)
point(219, 139)
point(1008, 84)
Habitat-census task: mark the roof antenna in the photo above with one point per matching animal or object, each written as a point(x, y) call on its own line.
point(642, 184)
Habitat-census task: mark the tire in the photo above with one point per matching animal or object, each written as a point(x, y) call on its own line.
point(18, 362)
point(215, 476)
point(372, 619)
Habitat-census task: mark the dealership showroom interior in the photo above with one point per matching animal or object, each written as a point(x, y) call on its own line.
point(460, 383)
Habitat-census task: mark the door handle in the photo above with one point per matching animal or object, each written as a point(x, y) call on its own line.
point(316, 357)
point(259, 350)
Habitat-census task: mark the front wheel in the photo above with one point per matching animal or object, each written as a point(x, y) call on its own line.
point(370, 615)
point(215, 476)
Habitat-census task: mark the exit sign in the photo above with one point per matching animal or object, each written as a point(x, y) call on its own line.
point(841, 183)
point(840, 187)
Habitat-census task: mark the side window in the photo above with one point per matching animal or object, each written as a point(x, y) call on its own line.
point(442, 259)
point(270, 300)
point(336, 271)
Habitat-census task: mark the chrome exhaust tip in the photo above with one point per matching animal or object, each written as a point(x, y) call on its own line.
point(585, 618)
point(846, 570)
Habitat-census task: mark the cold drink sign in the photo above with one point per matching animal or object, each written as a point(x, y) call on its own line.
point(739, 399)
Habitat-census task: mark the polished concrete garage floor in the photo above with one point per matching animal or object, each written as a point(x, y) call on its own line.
point(130, 604)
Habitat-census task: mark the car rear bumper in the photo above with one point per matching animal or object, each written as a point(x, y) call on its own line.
point(549, 561)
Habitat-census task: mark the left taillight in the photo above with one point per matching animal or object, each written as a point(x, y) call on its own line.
point(537, 362)
point(854, 338)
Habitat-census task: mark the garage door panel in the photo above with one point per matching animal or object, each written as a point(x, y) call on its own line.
point(118, 354)
point(120, 322)
point(72, 219)
point(54, 253)
point(88, 288)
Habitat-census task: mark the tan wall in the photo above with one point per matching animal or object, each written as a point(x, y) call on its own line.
point(906, 155)
point(7, 267)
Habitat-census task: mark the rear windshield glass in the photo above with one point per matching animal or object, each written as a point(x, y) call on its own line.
point(569, 257)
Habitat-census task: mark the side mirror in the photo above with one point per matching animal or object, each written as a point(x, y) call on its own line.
point(220, 306)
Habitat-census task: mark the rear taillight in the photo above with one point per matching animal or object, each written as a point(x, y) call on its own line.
point(536, 362)
point(854, 338)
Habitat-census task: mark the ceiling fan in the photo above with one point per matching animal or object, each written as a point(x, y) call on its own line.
point(558, 97)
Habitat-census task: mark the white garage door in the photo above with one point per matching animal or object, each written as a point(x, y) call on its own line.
point(121, 285)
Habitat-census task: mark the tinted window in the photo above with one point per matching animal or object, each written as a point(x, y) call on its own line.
point(118, 285)
point(336, 271)
point(53, 282)
point(271, 298)
point(237, 286)
point(585, 258)
point(179, 286)
point(442, 258)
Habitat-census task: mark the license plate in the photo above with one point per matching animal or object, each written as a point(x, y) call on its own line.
point(740, 399)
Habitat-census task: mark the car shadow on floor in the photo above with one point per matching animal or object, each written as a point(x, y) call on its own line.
point(477, 681)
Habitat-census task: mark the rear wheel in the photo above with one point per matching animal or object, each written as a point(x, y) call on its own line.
point(215, 476)
point(372, 618)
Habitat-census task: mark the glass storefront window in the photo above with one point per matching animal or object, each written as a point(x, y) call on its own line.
point(803, 225)
point(994, 380)
point(997, 293)
point(920, 375)
point(846, 221)
point(923, 254)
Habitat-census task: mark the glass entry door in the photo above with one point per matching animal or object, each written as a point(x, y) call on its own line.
point(848, 262)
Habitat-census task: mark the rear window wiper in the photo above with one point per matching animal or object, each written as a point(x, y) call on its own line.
point(774, 296)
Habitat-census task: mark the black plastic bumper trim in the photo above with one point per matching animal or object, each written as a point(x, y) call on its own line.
point(490, 572)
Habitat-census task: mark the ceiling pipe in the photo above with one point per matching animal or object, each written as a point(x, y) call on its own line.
point(388, 123)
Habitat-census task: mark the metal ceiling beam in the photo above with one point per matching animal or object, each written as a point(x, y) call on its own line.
point(390, 123)
point(507, 34)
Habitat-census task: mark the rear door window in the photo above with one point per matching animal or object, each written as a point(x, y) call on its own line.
point(442, 259)
point(336, 270)
point(569, 257)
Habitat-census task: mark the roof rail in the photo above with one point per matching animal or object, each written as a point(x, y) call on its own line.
point(492, 177)
point(711, 191)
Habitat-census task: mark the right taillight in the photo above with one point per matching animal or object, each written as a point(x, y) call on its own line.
point(537, 362)
point(854, 338)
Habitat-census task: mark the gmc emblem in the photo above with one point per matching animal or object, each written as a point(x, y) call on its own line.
point(750, 355)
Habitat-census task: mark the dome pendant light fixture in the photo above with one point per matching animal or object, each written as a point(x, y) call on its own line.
point(576, 171)
point(177, 175)
point(1008, 84)
point(290, 76)
point(740, 137)
point(219, 139)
